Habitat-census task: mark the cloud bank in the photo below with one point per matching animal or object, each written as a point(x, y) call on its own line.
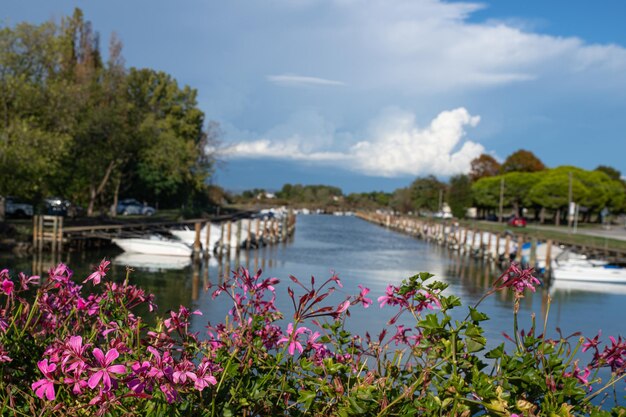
point(395, 146)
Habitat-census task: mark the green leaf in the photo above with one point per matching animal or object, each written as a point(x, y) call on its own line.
point(477, 315)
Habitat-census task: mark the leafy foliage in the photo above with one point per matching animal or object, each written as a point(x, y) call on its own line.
point(64, 352)
point(130, 131)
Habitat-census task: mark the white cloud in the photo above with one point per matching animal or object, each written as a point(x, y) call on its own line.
point(291, 80)
point(396, 146)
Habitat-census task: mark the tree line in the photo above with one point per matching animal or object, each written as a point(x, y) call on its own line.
point(81, 125)
point(522, 181)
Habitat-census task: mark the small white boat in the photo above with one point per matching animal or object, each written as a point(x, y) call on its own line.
point(188, 236)
point(588, 271)
point(154, 245)
point(151, 262)
point(586, 287)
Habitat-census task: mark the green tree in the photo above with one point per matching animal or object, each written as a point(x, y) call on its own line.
point(426, 193)
point(460, 195)
point(486, 192)
point(613, 173)
point(517, 186)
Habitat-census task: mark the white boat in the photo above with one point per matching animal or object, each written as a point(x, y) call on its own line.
point(154, 245)
point(586, 287)
point(188, 236)
point(588, 271)
point(151, 262)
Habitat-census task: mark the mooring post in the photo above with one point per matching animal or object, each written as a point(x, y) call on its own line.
point(532, 261)
point(548, 258)
point(60, 234)
point(35, 231)
point(229, 231)
point(520, 243)
point(238, 237)
point(256, 233)
point(507, 248)
point(497, 251)
point(197, 246)
point(207, 239)
point(248, 240)
point(221, 249)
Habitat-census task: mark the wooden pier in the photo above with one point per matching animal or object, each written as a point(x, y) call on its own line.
point(50, 234)
point(486, 244)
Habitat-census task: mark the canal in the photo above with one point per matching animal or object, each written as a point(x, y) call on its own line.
point(359, 253)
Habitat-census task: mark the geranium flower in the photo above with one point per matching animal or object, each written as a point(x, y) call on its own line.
point(7, 286)
point(293, 338)
point(45, 387)
point(99, 272)
point(106, 370)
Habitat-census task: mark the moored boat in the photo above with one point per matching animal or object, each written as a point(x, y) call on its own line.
point(154, 245)
point(588, 271)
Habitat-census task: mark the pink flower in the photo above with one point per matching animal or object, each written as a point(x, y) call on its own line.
point(7, 286)
point(204, 376)
point(519, 279)
point(342, 307)
point(45, 386)
point(293, 338)
point(592, 343)
point(99, 272)
point(26, 280)
point(73, 355)
point(105, 371)
point(389, 297)
point(366, 301)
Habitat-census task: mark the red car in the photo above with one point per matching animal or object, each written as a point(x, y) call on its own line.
point(516, 221)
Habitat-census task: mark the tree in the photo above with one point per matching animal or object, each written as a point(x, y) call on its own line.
point(483, 166)
point(517, 186)
point(401, 200)
point(76, 125)
point(426, 193)
point(613, 173)
point(486, 192)
point(460, 195)
point(522, 161)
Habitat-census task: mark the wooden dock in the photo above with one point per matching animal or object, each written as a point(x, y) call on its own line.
point(50, 234)
point(497, 246)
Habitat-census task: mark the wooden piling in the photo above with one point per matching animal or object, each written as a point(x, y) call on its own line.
point(197, 246)
point(229, 230)
point(548, 258)
point(249, 239)
point(207, 240)
point(507, 248)
point(238, 236)
point(520, 242)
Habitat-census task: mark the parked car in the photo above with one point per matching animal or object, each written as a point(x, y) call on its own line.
point(132, 206)
point(14, 207)
point(56, 206)
point(517, 221)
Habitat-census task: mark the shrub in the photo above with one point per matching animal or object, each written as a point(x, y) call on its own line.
point(63, 352)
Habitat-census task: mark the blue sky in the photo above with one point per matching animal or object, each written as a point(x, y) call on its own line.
point(369, 94)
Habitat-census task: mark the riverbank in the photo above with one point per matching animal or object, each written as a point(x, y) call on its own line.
point(594, 245)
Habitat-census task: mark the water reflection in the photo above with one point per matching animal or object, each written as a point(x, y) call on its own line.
point(151, 263)
point(360, 253)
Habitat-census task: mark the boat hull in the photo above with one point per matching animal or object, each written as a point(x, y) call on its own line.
point(590, 274)
point(154, 247)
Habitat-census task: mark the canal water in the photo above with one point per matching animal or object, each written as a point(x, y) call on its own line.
point(359, 253)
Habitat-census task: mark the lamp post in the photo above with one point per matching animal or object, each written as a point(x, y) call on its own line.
point(500, 216)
